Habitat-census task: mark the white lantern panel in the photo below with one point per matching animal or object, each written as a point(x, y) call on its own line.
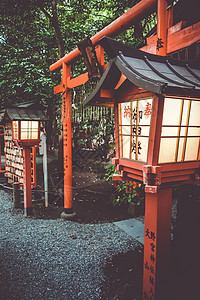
point(134, 128)
point(192, 147)
point(29, 130)
point(126, 146)
point(145, 130)
point(126, 130)
point(34, 131)
point(145, 110)
point(183, 131)
point(185, 112)
point(172, 109)
point(167, 150)
point(24, 130)
point(143, 149)
point(181, 124)
point(195, 114)
point(180, 149)
point(194, 131)
point(15, 125)
point(126, 113)
point(169, 131)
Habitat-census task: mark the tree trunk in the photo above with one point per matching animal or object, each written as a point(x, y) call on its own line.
point(55, 23)
point(56, 26)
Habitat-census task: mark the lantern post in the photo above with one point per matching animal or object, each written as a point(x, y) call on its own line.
point(1, 134)
point(26, 134)
point(27, 181)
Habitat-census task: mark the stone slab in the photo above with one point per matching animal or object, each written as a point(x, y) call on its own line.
point(132, 227)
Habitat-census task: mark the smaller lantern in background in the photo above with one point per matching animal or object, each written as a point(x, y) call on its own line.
point(23, 130)
point(26, 132)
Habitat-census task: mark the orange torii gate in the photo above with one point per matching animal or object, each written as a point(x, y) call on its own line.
point(169, 36)
point(139, 11)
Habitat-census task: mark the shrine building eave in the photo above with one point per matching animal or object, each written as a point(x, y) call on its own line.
point(153, 73)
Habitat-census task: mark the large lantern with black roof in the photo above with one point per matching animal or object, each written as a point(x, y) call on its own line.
point(157, 136)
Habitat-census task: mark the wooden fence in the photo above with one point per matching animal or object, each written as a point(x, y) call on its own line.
point(91, 113)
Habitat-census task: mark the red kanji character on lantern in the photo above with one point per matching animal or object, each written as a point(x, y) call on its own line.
point(147, 111)
point(127, 111)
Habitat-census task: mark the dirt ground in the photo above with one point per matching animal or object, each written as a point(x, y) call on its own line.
point(92, 195)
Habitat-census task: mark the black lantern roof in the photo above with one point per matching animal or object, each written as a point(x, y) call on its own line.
point(21, 114)
point(154, 73)
point(29, 111)
point(25, 111)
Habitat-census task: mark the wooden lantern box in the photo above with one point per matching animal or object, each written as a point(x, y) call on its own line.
point(157, 108)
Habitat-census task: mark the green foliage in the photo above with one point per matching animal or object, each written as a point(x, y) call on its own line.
point(110, 170)
point(24, 59)
point(29, 45)
point(97, 135)
point(127, 192)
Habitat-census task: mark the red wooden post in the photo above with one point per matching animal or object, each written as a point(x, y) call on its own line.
point(34, 166)
point(67, 145)
point(1, 134)
point(0, 154)
point(27, 181)
point(116, 129)
point(156, 241)
point(161, 47)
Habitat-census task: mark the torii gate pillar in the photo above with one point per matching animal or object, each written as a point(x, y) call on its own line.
point(67, 145)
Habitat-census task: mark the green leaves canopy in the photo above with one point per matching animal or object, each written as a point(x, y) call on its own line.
point(33, 35)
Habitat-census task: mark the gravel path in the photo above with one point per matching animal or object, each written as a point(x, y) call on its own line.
point(55, 259)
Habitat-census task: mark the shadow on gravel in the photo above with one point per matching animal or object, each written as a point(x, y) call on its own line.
point(123, 276)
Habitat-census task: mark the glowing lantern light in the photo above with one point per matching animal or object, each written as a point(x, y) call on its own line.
point(180, 130)
point(26, 132)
